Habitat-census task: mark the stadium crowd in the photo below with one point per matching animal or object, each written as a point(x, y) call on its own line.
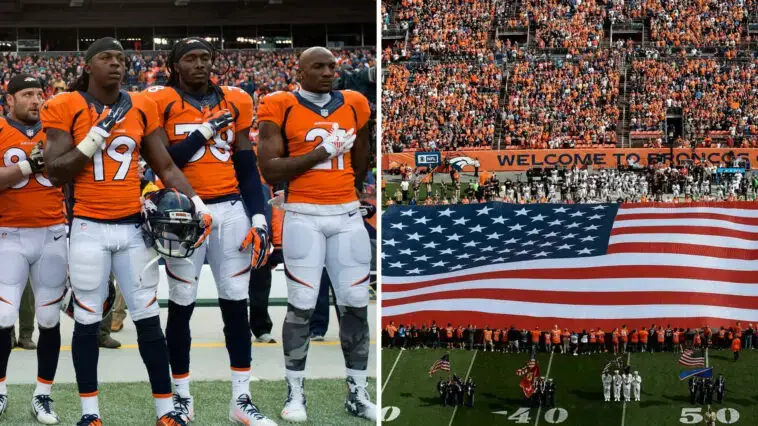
point(715, 96)
point(552, 104)
point(445, 105)
point(619, 340)
point(255, 71)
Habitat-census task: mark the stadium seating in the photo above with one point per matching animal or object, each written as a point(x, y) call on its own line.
point(255, 71)
point(566, 82)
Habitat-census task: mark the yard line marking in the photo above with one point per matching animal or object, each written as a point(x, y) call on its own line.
point(706, 357)
point(623, 408)
point(393, 369)
point(455, 410)
point(547, 375)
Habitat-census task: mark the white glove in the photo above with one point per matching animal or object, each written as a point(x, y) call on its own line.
point(337, 145)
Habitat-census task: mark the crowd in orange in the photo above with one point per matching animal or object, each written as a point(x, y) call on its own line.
point(560, 24)
point(447, 28)
point(619, 340)
point(696, 23)
point(715, 95)
point(255, 71)
point(440, 106)
point(551, 103)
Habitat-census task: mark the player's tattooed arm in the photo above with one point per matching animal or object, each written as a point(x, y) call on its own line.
point(155, 154)
point(62, 160)
point(274, 166)
point(359, 156)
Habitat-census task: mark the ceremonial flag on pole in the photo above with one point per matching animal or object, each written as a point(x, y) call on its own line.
point(692, 359)
point(441, 364)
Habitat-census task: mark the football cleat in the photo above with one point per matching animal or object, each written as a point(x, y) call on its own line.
point(3, 403)
point(172, 418)
point(242, 411)
point(295, 405)
point(357, 401)
point(42, 410)
point(90, 420)
point(185, 406)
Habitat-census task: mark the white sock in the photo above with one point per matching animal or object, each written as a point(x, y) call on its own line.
point(44, 387)
point(240, 382)
point(163, 405)
point(292, 374)
point(89, 404)
point(182, 385)
point(3, 387)
point(360, 376)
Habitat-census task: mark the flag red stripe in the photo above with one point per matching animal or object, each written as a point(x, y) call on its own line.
point(597, 272)
point(696, 230)
point(679, 248)
point(585, 298)
point(740, 205)
point(480, 320)
point(715, 216)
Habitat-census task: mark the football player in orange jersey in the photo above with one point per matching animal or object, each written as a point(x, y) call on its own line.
point(95, 134)
point(306, 141)
point(32, 240)
point(207, 129)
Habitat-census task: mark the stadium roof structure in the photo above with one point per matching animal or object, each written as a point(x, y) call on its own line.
point(78, 13)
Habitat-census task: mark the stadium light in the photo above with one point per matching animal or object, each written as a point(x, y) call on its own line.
point(181, 2)
point(76, 3)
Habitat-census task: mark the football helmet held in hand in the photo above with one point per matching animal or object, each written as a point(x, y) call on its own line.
point(170, 224)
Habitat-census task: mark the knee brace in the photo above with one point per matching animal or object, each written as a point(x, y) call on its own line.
point(8, 315)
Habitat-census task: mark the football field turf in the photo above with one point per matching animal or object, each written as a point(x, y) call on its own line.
point(409, 395)
point(132, 403)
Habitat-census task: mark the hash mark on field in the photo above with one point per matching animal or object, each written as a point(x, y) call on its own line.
point(547, 375)
point(455, 410)
point(387, 380)
point(623, 407)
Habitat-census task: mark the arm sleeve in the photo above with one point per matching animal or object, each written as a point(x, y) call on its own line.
point(251, 189)
point(182, 152)
point(55, 114)
point(269, 109)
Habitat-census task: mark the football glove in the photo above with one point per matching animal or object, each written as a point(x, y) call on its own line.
point(216, 122)
point(258, 237)
point(203, 214)
point(35, 163)
point(367, 210)
point(337, 145)
point(36, 160)
point(113, 116)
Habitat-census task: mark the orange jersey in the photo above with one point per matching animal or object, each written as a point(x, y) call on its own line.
point(211, 170)
point(736, 345)
point(33, 202)
point(496, 335)
point(487, 335)
point(108, 187)
point(535, 336)
point(304, 126)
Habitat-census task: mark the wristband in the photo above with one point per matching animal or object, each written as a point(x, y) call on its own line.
point(206, 131)
point(91, 143)
point(200, 206)
point(26, 168)
point(259, 221)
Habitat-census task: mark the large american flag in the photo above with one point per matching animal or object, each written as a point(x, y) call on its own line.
point(579, 266)
point(690, 359)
